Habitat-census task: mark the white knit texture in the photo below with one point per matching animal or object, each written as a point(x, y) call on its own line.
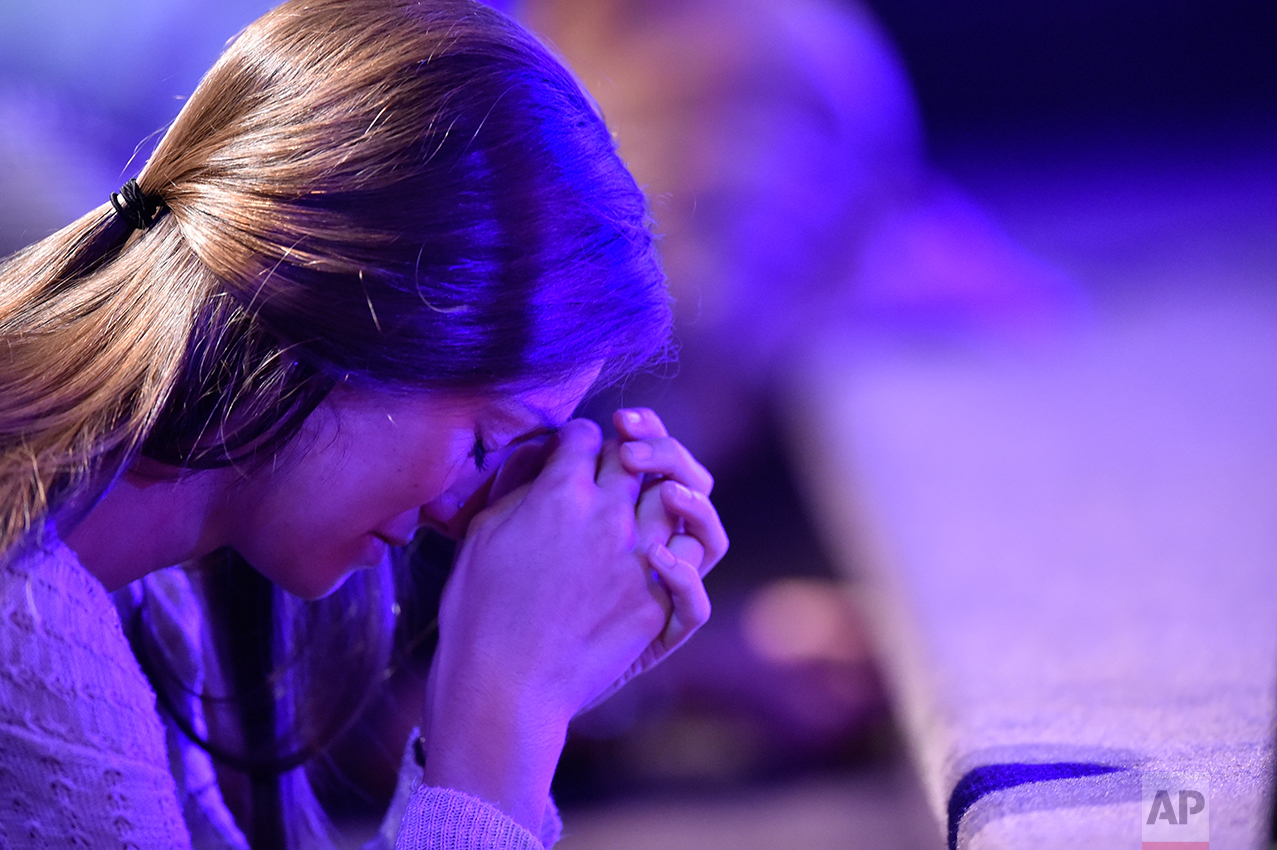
point(82, 754)
point(83, 759)
point(443, 819)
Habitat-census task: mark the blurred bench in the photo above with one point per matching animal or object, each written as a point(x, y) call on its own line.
point(1071, 552)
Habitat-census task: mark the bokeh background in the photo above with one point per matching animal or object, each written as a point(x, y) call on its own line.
point(918, 168)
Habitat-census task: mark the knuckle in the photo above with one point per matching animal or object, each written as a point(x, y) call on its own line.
point(585, 430)
point(672, 490)
point(703, 609)
point(701, 477)
point(714, 553)
point(664, 449)
point(652, 419)
point(614, 531)
point(554, 479)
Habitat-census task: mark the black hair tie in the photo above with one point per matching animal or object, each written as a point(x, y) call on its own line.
point(132, 205)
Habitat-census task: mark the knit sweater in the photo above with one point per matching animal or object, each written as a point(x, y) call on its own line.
point(86, 760)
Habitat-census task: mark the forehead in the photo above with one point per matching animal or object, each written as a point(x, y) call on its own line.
point(537, 407)
point(501, 414)
point(548, 406)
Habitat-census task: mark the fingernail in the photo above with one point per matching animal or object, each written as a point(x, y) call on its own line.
point(639, 451)
point(632, 417)
point(661, 556)
point(682, 495)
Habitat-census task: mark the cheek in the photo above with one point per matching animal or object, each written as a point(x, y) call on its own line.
point(423, 479)
point(444, 472)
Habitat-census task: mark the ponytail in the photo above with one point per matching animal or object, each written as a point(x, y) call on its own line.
point(94, 323)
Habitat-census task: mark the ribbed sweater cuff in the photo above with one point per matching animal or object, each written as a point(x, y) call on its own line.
point(444, 819)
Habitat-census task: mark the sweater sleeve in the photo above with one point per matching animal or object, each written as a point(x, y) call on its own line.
point(443, 819)
point(82, 753)
point(426, 818)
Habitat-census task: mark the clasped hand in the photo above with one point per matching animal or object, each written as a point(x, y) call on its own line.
point(564, 588)
point(571, 584)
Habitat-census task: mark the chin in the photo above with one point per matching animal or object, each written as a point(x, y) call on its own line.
point(315, 578)
point(311, 587)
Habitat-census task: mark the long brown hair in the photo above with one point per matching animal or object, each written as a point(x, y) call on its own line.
point(391, 193)
point(386, 192)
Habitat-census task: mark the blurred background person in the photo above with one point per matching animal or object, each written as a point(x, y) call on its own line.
point(783, 150)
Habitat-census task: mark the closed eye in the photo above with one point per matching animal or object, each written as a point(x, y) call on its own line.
point(479, 451)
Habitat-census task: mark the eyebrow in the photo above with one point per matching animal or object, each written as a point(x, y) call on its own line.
point(544, 421)
point(523, 433)
point(535, 433)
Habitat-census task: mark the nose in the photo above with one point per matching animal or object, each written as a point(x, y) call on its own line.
point(451, 512)
point(518, 463)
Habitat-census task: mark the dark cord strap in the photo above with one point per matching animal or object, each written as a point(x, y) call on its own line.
point(132, 205)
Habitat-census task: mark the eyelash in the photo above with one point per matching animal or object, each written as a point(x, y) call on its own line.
point(479, 452)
